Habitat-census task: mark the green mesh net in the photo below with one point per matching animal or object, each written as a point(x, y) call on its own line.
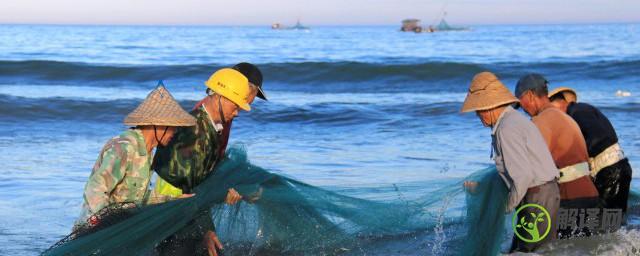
point(291, 217)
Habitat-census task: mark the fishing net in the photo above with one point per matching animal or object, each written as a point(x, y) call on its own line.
point(294, 218)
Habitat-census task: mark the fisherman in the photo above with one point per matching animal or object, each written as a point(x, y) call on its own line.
point(254, 76)
point(519, 151)
point(566, 144)
point(122, 172)
point(609, 166)
point(194, 153)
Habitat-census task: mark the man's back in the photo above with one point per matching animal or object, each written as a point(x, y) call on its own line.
point(596, 128)
point(563, 137)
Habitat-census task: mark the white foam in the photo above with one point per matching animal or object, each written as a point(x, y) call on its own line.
point(622, 242)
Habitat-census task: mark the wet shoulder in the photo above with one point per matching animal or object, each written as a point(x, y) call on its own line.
point(552, 116)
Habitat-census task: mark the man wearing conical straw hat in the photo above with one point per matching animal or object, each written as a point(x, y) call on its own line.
point(123, 170)
point(194, 153)
point(519, 151)
point(609, 167)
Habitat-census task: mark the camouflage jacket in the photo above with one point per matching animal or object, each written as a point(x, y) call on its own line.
point(191, 155)
point(121, 174)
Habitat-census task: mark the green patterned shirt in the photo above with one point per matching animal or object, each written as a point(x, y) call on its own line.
point(121, 174)
point(191, 155)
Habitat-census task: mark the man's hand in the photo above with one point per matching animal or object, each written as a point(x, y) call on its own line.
point(186, 196)
point(212, 242)
point(255, 196)
point(232, 197)
point(471, 186)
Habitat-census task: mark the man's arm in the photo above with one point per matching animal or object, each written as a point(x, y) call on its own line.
point(108, 173)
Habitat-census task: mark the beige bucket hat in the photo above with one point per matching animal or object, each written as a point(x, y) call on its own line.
point(486, 92)
point(569, 94)
point(160, 108)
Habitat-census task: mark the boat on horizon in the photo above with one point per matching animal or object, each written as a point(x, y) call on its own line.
point(413, 25)
point(297, 26)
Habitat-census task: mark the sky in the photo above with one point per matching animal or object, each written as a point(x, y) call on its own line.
point(319, 12)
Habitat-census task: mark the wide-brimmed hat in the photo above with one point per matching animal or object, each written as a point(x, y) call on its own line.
point(569, 94)
point(159, 108)
point(486, 92)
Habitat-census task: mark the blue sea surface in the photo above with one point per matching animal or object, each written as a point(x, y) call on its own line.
point(349, 108)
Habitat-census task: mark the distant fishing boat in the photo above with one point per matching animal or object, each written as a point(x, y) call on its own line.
point(444, 26)
point(413, 25)
point(297, 26)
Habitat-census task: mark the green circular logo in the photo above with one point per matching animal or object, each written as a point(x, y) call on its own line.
point(528, 224)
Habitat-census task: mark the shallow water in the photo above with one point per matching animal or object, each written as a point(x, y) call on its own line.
point(353, 109)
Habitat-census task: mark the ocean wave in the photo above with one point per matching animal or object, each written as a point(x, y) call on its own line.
point(343, 76)
point(624, 107)
point(334, 113)
point(287, 107)
point(90, 93)
point(14, 108)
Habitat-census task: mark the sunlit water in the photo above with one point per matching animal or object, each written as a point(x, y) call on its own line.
point(354, 109)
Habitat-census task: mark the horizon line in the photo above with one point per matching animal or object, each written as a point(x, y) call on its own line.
point(310, 24)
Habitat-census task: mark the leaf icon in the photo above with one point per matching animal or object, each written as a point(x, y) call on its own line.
point(540, 215)
point(533, 215)
point(522, 220)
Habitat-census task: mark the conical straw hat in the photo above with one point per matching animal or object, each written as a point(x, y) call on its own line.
point(486, 92)
point(159, 108)
point(569, 94)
